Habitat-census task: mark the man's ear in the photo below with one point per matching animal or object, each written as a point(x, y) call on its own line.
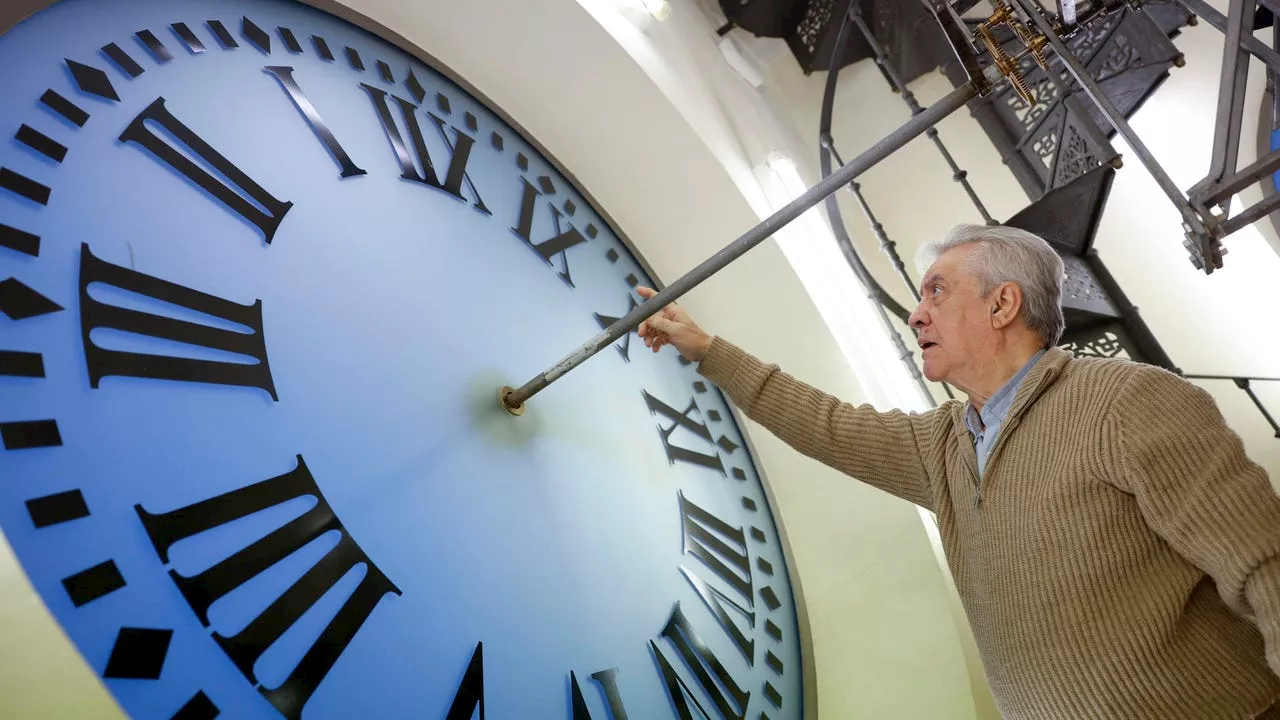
point(1006, 304)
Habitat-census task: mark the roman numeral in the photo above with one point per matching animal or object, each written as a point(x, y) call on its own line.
point(608, 682)
point(624, 347)
point(470, 694)
point(285, 76)
point(264, 212)
point(460, 149)
point(203, 589)
point(102, 362)
point(559, 243)
point(683, 420)
point(727, 697)
point(723, 549)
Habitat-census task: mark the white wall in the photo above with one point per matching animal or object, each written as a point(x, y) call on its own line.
point(884, 636)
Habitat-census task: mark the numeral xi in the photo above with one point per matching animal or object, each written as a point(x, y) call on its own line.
point(557, 244)
point(265, 211)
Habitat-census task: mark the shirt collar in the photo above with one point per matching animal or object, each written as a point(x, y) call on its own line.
point(997, 406)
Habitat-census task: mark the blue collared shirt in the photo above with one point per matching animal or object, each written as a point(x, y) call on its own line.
point(984, 426)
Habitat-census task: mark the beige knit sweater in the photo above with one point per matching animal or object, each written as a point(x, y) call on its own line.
point(1123, 559)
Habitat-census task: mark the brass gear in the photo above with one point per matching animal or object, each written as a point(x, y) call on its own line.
point(1032, 41)
point(1005, 64)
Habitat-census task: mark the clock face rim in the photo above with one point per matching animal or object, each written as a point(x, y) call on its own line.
point(12, 15)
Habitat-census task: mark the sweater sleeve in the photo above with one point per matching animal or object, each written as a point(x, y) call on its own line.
point(1196, 488)
point(881, 449)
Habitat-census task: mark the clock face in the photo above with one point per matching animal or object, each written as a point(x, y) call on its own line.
point(262, 276)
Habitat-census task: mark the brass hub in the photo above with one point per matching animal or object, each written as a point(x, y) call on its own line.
point(516, 410)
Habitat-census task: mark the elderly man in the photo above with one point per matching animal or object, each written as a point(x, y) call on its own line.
point(1117, 553)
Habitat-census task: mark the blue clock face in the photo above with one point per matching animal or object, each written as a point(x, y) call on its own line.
point(262, 276)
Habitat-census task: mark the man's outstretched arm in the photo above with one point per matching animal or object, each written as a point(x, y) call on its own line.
point(881, 449)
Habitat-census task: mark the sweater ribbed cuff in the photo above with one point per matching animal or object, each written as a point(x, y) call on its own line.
point(733, 370)
point(1263, 593)
point(721, 360)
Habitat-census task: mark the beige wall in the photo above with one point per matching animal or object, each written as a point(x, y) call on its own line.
point(884, 637)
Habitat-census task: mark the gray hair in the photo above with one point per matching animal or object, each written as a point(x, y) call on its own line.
point(1007, 254)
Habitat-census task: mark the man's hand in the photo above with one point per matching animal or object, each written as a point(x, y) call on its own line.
point(673, 326)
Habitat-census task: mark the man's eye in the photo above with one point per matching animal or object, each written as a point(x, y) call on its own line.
point(935, 289)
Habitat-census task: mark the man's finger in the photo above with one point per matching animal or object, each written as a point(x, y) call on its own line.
point(661, 324)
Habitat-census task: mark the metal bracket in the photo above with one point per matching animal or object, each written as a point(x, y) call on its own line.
point(957, 34)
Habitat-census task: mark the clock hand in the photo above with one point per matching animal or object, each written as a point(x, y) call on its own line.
point(513, 400)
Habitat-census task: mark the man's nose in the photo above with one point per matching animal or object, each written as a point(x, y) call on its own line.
point(916, 320)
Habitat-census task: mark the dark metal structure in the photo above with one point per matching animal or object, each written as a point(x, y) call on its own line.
point(1083, 67)
point(1060, 134)
point(908, 30)
point(1052, 123)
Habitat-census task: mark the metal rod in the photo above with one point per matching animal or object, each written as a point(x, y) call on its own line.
point(1243, 179)
point(1255, 46)
point(1231, 88)
point(1259, 405)
point(890, 248)
point(874, 294)
point(832, 205)
point(900, 87)
point(756, 235)
point(1252, 214)
point(1271, 78)
point(1234, 378)
point(1117, 120)
point(887, 245)
point(883, 303)
point(1243, 384)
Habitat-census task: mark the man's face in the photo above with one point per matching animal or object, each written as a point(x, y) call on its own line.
point(953, 321)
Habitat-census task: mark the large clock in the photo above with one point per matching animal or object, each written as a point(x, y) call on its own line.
point(262, 275)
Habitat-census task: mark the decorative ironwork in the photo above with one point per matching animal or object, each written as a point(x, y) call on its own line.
point(814, 23)
point(1075, 158)
point(1063, 135)
point(1046, 146)
point(906, 30)
point(1044, 91)
point(1092, 302)
point(1082, 290)
point(1123, 56)
point(1103, 345)
point(1086, 44)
